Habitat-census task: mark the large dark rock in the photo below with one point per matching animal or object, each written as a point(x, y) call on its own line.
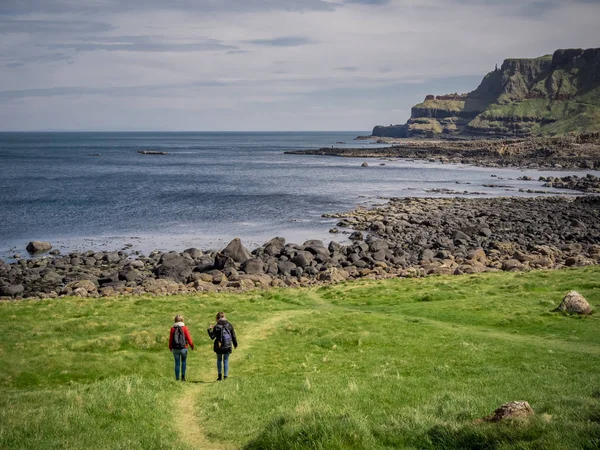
point(275, 246)
point(254, 266)
point(173, 265)
point(223, 262)
point(236, 251)
point(302, 259)
point(205, 263)
point(285, 267)
point(38, 247)
point(11, 290)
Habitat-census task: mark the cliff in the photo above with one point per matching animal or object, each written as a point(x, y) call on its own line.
point(550, 95)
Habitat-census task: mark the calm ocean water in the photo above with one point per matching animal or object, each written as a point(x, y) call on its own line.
point(210, 188)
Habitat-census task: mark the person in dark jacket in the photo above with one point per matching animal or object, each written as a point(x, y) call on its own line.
point(180, 351)
point(224, 336)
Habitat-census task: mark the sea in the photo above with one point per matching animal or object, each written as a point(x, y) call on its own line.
point(94, 191)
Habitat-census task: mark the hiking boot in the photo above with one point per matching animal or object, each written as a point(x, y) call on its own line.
point(219, 377)
point(225, 377)
point(183, 378)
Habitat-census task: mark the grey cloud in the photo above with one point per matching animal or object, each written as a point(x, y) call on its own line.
point(283, 41)
point(12, 7)
point(122, 91)
point(39, 59)
point(143, 44)
point(52, 26)
point(369, 2)
point(347, 68)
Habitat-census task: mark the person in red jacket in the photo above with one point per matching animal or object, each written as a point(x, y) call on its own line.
point(179, 340)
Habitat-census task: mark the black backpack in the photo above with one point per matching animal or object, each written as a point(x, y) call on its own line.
point(223, 337)
point(179, 338)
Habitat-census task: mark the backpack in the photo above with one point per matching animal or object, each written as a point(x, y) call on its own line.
point(223, 337)
point(179, 338)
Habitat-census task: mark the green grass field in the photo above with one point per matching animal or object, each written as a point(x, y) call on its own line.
point(404, 363)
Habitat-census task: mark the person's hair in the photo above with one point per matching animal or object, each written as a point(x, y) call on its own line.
point(178, 318)
point(220, 315)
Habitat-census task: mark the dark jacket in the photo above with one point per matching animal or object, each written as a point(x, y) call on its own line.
point(213, 336)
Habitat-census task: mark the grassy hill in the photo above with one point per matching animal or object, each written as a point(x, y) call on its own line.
point(403, 363)
point(550, 95)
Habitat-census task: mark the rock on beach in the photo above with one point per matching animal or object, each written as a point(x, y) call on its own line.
point(38, 247)
point(406, 237)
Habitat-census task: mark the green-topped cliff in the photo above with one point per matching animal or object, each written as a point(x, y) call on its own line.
point(551, 95)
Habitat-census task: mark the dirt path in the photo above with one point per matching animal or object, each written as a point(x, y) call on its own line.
point(189, 424)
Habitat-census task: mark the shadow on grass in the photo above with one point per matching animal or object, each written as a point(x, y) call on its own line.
point(346, 431)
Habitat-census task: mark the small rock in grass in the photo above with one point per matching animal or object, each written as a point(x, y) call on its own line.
point(510, 410)
point(574, 302)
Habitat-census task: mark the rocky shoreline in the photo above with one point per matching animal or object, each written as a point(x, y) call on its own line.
point(577, 152)
point(405, 237)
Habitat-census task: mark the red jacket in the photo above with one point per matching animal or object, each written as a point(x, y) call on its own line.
point(186, 333)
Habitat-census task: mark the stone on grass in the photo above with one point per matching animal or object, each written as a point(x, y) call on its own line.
point(574, 302)
point(511, 410)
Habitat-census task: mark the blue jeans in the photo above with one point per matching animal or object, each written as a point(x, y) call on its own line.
point(224, 359)
point(180, 355)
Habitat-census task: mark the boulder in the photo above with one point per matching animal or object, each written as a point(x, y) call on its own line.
point(223, 262)
point(510, 410)
point(38, 247)
point(112, 258)
point(303, 259)
point(236, 251)
point(377, 244)
point(285, 267)
point(193, 252)
point(130, 275)
point(356, 236)
point(160, 286)
point(275, 246)
point(512, 264)
point(11, 290)
point(173, 265)
point(333, 275)
point(314, 243)
point(574, 302)
point(485, 232)
point(205, 263)
point(88, 285)
point(106, 291)
point(477, 255)
point(460, 236)
point(253, 266)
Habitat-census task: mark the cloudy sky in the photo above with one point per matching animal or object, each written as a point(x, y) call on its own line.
point(260, 64)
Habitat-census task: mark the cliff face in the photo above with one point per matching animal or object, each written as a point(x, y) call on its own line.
point(549, 95)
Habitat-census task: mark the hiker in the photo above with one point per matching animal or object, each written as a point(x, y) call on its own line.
point(179, 339)
point(224, 336)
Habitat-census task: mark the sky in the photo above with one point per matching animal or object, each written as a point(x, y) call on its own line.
point(212, 65)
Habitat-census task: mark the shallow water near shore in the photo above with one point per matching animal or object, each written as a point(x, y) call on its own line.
point(94, 191)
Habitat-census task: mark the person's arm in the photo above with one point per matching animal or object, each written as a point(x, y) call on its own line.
point(188, 337)
point(233, 337)
point(171, 339)
point(211, 333)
